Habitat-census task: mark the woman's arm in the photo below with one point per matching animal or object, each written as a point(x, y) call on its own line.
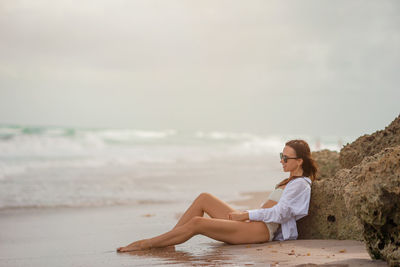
point(238, 216)
point(244, 215)
point(293, 203)
point(269, 204)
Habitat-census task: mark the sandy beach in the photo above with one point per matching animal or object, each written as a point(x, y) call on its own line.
point(116, 115)
point(89, 237)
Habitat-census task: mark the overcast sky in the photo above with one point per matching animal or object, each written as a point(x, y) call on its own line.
point(290, 67)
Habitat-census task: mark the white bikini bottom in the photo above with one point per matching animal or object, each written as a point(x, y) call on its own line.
point(272, 228)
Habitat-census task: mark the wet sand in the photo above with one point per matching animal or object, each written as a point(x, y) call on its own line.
point(89, 237)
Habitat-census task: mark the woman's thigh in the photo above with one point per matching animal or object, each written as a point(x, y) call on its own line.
point(214, 207)
point(231, 232)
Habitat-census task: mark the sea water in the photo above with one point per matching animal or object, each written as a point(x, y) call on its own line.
point(49, 167)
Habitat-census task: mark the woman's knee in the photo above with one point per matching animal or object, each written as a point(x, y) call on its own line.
point(203, 197)
point(194, 224)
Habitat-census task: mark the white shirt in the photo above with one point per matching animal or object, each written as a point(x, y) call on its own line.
point(292, 206)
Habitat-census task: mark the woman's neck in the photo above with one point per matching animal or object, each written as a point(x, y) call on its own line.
point(298, 172)
point(293, 175)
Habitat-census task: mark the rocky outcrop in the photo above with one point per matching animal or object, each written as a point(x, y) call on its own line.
point(360, 199)
point(370, 144)
point(373, 194)
point(329, 217)
point(328, 163)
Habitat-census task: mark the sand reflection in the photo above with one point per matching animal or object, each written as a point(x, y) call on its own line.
point(214, 255)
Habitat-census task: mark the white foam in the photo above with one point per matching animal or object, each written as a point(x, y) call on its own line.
point(9, 131)
point(33, 145)
point(58, 141)
point(55, 132)
point(124, 135)
point(54, 167)
point(217, 135)
point(257, 146)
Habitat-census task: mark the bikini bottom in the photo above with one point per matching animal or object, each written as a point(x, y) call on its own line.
point(272, 228)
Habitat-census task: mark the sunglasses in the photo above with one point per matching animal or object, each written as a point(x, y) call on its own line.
point(285, 158)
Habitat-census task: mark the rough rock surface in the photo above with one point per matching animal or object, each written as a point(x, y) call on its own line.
point(360, 199)
point(361, 203)
point(374, 196)
point(329, 218)
point(328, 163)
point(370, 144)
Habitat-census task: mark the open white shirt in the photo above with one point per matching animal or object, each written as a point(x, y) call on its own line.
point(292, 206)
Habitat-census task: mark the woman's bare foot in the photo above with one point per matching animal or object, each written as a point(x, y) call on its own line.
point(135, 246)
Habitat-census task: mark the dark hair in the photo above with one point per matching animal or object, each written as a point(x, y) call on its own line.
point(309, 166)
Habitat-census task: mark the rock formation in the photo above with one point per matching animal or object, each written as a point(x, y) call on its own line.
point(329, 218)
point(360, 199)
point(370, 144)
point(374, 196)
point(328, 163)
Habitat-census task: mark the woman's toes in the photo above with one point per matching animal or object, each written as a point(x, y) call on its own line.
point(122, 249)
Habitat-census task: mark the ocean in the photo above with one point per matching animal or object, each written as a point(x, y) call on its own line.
point(51, 167)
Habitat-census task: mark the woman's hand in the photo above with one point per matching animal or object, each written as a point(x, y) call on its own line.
point(238, 216)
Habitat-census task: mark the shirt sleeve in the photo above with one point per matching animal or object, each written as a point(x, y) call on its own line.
point(294, 202)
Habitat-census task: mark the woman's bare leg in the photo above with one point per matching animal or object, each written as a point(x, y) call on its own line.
point(232, 232)
point(205, 202)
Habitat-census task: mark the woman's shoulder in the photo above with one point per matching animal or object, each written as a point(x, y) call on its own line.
point(300, 181)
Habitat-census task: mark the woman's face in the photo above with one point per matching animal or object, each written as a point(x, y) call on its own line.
point(291, 164)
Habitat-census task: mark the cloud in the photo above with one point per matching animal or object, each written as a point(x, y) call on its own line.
point(209, 64)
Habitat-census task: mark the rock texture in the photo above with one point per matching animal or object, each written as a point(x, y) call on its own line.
point(374, 196)
point(329, 217)
point(370, 144)
point(328, 163)
point(360, 199)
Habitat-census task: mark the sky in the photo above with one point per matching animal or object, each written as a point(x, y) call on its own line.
point(279, 67)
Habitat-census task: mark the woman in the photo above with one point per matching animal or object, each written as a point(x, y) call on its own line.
point(288, 203)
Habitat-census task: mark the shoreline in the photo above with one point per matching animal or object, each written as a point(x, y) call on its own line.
point(89, 236)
